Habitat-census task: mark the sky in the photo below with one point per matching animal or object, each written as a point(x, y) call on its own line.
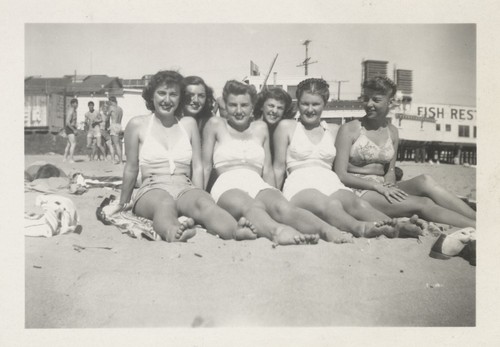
point(441, 56)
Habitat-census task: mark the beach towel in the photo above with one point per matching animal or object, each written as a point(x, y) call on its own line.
point(137, 227)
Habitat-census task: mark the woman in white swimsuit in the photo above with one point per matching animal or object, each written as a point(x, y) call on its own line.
point(366, 158)
point(238, 148)
point(167, 151)
point(305, 149)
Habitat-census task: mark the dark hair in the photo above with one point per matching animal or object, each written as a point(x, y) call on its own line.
point(238, 88)
point(47, 171)
point(73, 101)
point(90, 103)
point(112, 98)
point(165, 77)
point(313, 86)
point(381, 84)
point(277, 94)
point(206, 111)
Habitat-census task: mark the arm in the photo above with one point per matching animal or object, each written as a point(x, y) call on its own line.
point(390, 175)
point(196, 163)
point(281, 143)
point(69, 116)
point(131, 168)
point(207, 149)
point(267, 173)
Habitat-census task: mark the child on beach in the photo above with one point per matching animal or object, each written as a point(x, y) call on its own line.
point(238, 148)
point(167, 151)
point(365, 162)
point(305, 149)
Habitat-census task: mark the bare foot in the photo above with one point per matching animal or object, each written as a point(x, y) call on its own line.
point(337, 236)
point(429, 228)
point(385, 227)
point(286, 235)
point(245, 230)
point(185, 231)
point(409, 227)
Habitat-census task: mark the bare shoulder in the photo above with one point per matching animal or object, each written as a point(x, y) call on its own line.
point(333, 127)
point(188, 122)
point(394, 131)
point(259, 126)
point(215, 121)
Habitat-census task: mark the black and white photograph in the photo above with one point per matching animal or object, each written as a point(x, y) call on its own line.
point(228, 174)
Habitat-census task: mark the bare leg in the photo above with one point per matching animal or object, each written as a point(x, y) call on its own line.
point(332, 211)
point(118, 147)
point(100, 147)
point(306, 222)
point(425, 185)
point(72, 145)
point(240, 204)
point(111, 150)
point(160, 207)
point(200, 206)
point(423, 207)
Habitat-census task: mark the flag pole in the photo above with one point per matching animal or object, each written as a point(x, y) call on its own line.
point(269, 72)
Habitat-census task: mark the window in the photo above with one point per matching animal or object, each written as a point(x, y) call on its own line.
point(448, 127)
point(438, 127)
point(292, 90)
point(475, 131)
point(463, 131)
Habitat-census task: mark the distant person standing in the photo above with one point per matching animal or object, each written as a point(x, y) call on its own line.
point(106, 137)
point(93, 119)
point(70, 130)
point(115, 126)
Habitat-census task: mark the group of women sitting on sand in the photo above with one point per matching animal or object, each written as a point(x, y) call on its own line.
point(291, 180)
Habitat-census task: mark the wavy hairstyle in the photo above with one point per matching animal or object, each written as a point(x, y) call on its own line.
point(165, 77)
point(238, 88)
point(314, 86)
point(381, 84)
point(274, 93)
point(206, 111)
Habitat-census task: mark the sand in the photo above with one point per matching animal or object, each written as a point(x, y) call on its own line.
point(210, 282)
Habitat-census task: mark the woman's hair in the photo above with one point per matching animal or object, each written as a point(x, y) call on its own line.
point(47, 171)
point(381, 84)
point(277, 94)
point(206, 111)
point(238, 88)
point(167, 78)
point(313, 86)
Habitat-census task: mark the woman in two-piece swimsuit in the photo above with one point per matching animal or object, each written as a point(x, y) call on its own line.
point(167, 151)
point(306, 149)
point(238, 148)
point(366, 158)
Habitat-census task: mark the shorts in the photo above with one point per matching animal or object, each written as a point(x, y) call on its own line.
point(374, 178)
point(313, 177)
point(175, 185)
point(94, 133)
point(105, 135)
point(68, 130)
point(115, 129)
point(243, 179)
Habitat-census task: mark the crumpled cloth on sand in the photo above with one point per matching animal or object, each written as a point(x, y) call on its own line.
point(60, 217)
point(138, 227)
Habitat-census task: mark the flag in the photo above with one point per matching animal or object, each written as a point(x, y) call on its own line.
point(254, 69)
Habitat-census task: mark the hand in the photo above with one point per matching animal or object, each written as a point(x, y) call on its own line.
point(391, 192)
point(112, 208)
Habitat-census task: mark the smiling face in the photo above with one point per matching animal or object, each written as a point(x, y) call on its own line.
point(239, 110)
point(376, 104)
point(195, 99)
point(272, 111)
point(310, 108)
point(166, 99)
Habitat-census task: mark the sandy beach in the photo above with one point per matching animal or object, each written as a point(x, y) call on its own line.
point(211, 282)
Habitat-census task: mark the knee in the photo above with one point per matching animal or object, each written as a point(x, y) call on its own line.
point(426, 181)
point(282, 209)
point(203, 204)
point(361, 204)
point(331, 205)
